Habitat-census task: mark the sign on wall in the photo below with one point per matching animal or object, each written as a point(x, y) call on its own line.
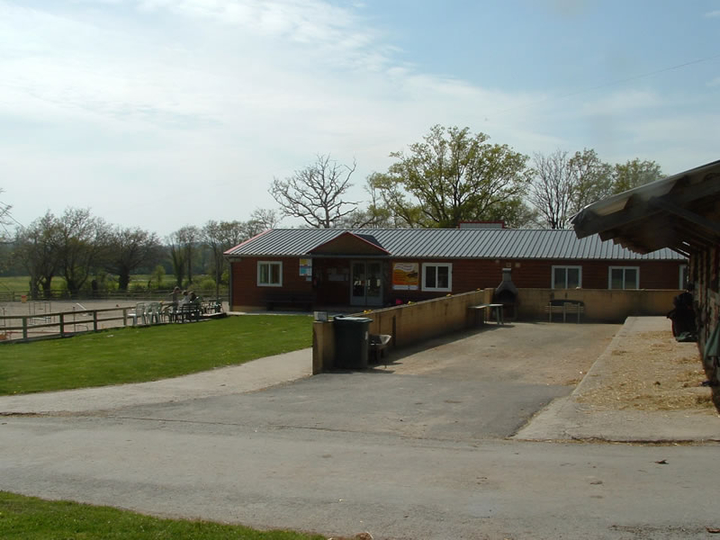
point(306, 267)
point(406, 276)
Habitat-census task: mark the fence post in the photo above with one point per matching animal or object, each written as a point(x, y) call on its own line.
point(25, 327)
point(124, 316)
point(62, 325)
point(95, 328)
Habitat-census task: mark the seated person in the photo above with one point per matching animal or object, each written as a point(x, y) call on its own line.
point(185, 298)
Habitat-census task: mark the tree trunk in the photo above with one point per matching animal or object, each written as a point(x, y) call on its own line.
point(46, 287)
point(123, 280)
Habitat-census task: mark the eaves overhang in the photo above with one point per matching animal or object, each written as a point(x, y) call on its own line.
point(680, 212)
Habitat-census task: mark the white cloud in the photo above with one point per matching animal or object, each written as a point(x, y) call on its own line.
point(186, 104)
point(712, 14)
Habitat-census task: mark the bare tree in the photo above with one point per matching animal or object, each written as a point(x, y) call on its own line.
point(177, 258)
point(4, 216)
point(261, 220)
point(563, 185)
point(315, 193)
point(185, 239)
point(377, 214)
point(553, 188)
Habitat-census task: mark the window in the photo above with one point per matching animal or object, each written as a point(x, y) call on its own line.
point(624, 277)
point(437, 277)
point(269, 274)
point(684, 277)
point(566, 277)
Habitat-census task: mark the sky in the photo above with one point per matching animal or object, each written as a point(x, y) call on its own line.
point(164, 113)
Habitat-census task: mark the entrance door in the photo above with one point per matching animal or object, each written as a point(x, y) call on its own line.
point(367, 284)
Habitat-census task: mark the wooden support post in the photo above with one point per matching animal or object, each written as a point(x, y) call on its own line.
point(62, 325)
point(25, 327)
point(95, 321)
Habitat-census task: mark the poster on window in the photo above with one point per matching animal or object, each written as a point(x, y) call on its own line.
point(306, 267)
point(406, 276)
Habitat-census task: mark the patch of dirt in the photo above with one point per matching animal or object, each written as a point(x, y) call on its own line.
point(651, 372)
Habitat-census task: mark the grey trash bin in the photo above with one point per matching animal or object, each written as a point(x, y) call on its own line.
point(351, 342)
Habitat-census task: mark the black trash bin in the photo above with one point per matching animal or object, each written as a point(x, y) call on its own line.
point(351, 342)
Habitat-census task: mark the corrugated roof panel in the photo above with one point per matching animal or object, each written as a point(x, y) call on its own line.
point(453, 244)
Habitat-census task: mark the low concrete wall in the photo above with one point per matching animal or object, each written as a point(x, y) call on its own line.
point(407, 324)
point(601, 305)
point(413, 323)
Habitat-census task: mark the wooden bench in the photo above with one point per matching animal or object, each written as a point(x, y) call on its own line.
point(377, 345)
point(303, 301)
point(188, 313)
point(496, 308)
point(565, 308)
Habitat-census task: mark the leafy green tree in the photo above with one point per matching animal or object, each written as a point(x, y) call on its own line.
point(593, 179)
point(129, 250)
point(563, 185)
point(634, 173)
point(83, 242)
point(316, 193)
point(36, 249)
point(454, 176)
point(158, 275)
point(221, 236)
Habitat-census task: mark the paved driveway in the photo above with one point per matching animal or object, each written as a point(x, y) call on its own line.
point(471, 386)
point(414, 450)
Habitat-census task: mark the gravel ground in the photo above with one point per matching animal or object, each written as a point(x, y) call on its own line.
point(652, 373)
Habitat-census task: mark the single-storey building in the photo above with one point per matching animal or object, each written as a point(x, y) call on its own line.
point(367, 268)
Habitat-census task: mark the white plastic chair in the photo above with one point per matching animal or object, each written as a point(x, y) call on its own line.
point(139, 313)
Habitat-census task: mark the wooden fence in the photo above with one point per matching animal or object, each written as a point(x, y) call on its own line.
point(62, 323)
point(117, 296)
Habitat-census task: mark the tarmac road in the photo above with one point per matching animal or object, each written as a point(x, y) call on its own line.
point(422, 455)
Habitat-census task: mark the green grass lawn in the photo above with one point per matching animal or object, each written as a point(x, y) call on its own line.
point(138, 354)
point(29, 518)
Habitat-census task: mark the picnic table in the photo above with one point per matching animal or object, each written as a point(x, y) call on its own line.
point(494, 309)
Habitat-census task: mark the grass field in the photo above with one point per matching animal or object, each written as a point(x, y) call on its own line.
point(29, 518)
point(20, 284)
point(138, 354)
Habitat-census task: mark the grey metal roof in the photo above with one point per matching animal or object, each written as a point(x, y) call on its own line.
point(472, 243)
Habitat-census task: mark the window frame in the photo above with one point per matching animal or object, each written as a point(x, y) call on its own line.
point(624, 268)
point(425, 266)
point(566, 267)
point(270, 264)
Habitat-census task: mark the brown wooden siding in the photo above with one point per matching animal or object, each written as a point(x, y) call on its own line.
point(246, 291)
point(467, 275)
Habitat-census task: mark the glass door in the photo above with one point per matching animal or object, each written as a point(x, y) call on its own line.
point(367, 285)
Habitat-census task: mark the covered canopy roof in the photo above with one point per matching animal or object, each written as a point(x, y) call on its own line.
point(680, 212)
